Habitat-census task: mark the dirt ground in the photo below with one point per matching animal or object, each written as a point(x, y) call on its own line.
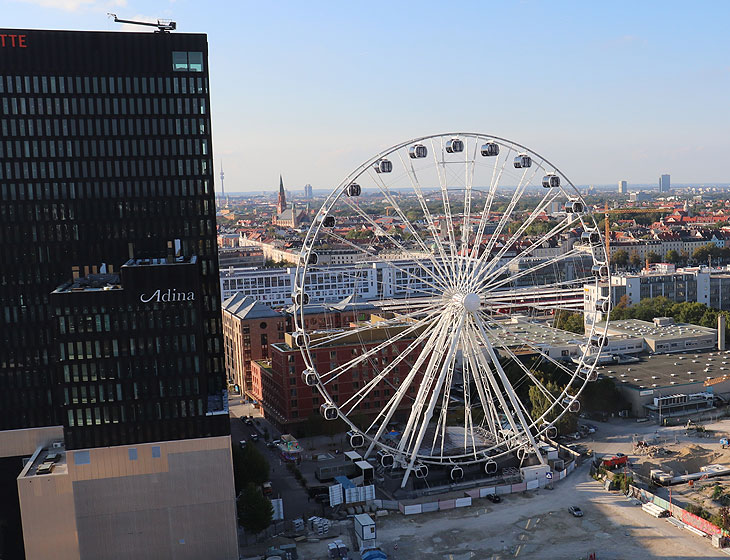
point(537, 525)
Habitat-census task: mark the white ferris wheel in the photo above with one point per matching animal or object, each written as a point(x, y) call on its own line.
point(482, 245)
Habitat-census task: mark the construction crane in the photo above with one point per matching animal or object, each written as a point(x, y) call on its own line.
point(162, 25)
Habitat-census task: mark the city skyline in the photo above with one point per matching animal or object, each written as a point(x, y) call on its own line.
point(317, 95)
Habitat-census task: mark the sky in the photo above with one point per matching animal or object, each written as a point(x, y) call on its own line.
point(310, 90)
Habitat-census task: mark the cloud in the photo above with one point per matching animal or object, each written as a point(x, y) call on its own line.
point(76, 5)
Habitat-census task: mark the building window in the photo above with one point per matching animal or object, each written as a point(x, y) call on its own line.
point(187, 61)
point(195, 61)
point(180, 61)
point(132, 453)
point(155, 451)
point(82, 458)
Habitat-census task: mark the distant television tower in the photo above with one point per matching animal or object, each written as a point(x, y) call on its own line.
point(223, 188)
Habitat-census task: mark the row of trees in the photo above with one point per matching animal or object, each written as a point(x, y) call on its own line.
point(250, 471)
point(701, 255)
point(684, 312)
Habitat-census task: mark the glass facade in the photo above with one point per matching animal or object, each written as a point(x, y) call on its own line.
point(105, 155)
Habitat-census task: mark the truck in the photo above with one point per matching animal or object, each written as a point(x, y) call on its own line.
point(611, 461)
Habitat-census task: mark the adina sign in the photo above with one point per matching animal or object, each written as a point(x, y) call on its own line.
point(167, 296)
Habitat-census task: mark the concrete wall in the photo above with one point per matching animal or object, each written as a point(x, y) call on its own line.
point(180, 505)
point(16, 443)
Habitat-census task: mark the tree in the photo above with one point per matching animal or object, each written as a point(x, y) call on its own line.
point(620, 258)
point(673, 257)
point(249, 466)
point(255, 511)
point(635, 259)
point(701, 254)
point(541, 402)
point(568, 321)
point(653, 257)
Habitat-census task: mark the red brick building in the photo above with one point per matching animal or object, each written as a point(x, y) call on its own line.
point(249, 330)
point(287, 400)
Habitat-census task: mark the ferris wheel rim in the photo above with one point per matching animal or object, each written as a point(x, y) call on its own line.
point(312, 234)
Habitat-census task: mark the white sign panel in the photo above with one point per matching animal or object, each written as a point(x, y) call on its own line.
point(278, 505)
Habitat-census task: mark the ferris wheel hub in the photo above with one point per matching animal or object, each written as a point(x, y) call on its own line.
point(468, 302)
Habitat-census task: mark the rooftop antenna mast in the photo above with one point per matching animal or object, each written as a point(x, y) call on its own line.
point(162, 25)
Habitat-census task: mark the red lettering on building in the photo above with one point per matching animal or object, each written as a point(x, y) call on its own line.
point(13, 41)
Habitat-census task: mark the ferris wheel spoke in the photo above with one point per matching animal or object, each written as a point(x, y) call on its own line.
point(405, 251)
point(466, 393)
point(410, 170)
point(495, 388)
point(530, 344)
point(416, 277)
point(550, 196)
point(370, 385)
point(394, 402)
point(436, 390)
point(516, 195)
point(487, 286)
point(466, 214)
point(427, 380)
point(478, 375)
point(443, 183)
point(516, 403)
point(486, 211)
point(324, 340)
point(481, 383)
point(330, 376)
point(411, 228)
point(441, 423)
point(530, 375)
point(488, 269)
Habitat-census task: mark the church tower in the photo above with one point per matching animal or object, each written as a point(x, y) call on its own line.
point(281, 204)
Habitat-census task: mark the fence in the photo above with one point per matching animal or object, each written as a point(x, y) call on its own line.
point(470, 495)
point(682, 514)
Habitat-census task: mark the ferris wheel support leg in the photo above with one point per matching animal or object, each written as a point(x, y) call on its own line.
point(510, 391)
point(434, 398)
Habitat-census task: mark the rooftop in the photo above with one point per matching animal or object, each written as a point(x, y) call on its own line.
point(670, 370)
point(644, 329)
point(48, 459)
point(248, 307)
point(91, 283)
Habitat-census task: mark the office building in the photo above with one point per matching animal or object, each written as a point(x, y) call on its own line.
point(308, 192)
point(623, 187)
point(664, 183)
point(106, 160)
point(249, 328)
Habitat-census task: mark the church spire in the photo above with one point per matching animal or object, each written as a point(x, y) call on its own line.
point(281, 203)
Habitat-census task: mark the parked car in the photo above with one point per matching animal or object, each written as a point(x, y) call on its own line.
point(266, 488)
point(322, 499)
point(242, 443)
point(254, 437)
point(575, 511)
point(494, 498)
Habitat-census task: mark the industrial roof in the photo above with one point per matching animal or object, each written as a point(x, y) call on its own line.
point(670, 370)
point(644, 329)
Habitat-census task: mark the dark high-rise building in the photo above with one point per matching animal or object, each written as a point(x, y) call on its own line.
point(105, 159)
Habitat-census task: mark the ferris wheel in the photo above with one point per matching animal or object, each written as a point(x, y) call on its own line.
point(462, 251)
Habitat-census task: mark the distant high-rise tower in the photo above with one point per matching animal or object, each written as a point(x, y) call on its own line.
point(664, 185)
point(223, 188)
point(623, 186)
point(308, 192)
point(281, 204)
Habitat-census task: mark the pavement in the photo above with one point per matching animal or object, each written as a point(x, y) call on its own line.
point(283, 484)
point(537, 526)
